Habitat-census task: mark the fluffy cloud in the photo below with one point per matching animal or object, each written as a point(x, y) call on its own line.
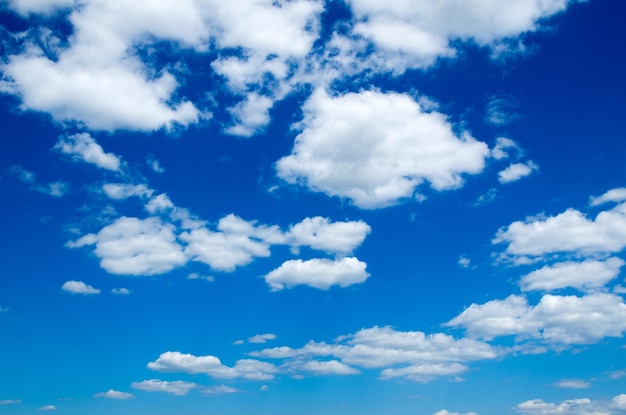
point(328, 367)
point(583, 406)
point(119, 191)
point(319, 233)
point(501, 111)
point(25, 7)
point(444, 412)
point(586, 275)
point(570, 231)
point(557, 321)
point(134, 246)
point(212, 366)
point(614, 195)
point(317, 273)
point(504, 146)
point(79, 287)
point(120, 291)
point(425, 372)
point(48, 408)
point(516, 172)
point(572, 384)
point(113, 394)
point(177, 387)
point(83, 147)
point(220, 389)
point(262, 338)
point(375, 149)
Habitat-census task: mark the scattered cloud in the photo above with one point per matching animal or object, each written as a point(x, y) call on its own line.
point(155, 165)
point(82, 147)
point(48, 408)
point(464, 261)
point(113, 394)
point(79, 287)
point(383, 147)
point(504, 147)
point(517, 171)
point(196, 276)
point(617, 195)
point(220, 389)
point(317, 273)
point(177, 387)
point(582, 406)
point(55, 189)
point(119, 191)
point(588, 275)
point(444, 412)
point(10, 402)
point(120, 291)
point(572, 384)
point(22, 174)
point(25, 7)
point(501, 111)
point(262, 338)
point(322, 234)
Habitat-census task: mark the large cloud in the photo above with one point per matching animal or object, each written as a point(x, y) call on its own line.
point(376, 148)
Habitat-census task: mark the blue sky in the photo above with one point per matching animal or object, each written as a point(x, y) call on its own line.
point(305, 207)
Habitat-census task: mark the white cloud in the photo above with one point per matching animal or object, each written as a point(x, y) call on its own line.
point(251, 115)
point(501, 111)
point(138, 247)
point(48, 408)
point(573, 384)
point(25, 7)
point(79, 287)
point(220, 389)
point(375, 149)
point(582, 406)
point(119, 191)
point(113, 394)
point(321, 234)
point(317, 273)
point(159, 203)
point(464, 261)
point(503, 147)
point(10, 402)
point(262, 338)
point(617, 195)
point(444, 412)
point(424, 372)
point(55, 189)
point(212, 366)
point(25, 176)
point(120, 291)
point(556, 321)
point(516, 172)
point(83, 147)
point(619, 402)
point(586, 275)
point(155, 165)
point(177, 387)
point(328, 367)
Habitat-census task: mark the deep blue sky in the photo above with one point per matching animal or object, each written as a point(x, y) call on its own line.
point(312, 207)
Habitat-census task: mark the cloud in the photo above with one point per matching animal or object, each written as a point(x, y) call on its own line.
point(55, 189)
point(83, 147)
point(328, 367)
point(619, 402)
point(10, 402)
point(22, 174)
point(464, 261)
point(262, 338)
point(25, 7)
point(220, 389)
point(120, 291)
point(321, 234)
point(582, 406)
point(79, 287)
point(501, 111)
point(134, 246)
point(573, 384)
point(376, 149)
point(212, 366)
point(177, 387)
point(516, 172)
point(48, 408)
point(317, 273)
point(617, 195)
point(159, 203)
point(251, 115)
point(444, 412)
point(556, 321)
point(119, 191)
point(113, 394)
point(504, 146)
point(155, 165)
point(570, 231)
point(424, 372)
point(586, 275)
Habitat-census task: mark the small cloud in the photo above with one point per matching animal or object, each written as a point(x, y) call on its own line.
point(501, 111)
point(79, 287)
point(22, 174)
point(264, 388)
point(504, 147)
point(262, 338)
point(177, 387)
point(220, 389)
point(10, 402)
point(155, 165)
point(120, 291)
point(55, 189)
point(196, 276)
point(48, 408)
point(113, 394)
point(614, 195)
point(488, 197)
point(238, 342)
point(572, 384)
point(517, 171)
point(618, 289)
point(82, 147)
point(464, 261)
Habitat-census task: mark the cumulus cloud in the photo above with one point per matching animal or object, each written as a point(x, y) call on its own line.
point(572, 384)
point(48, 408)
point(262, 338)
point(119, 191)
point(134, 246)
point(83, 147)
point(322, 234)
point(583, 406)
point(501, 111)
point(177, 387)
point(617, 195)
point(586, 275)
point(317, 273)
point(424, 372)
point(113, 394)
point(504, 146)
point(79, 287)
point(516, 172)
point(376, 149)
point(212, 366)
point(556, 321)
point(328, 367)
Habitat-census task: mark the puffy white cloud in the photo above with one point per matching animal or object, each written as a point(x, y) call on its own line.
point(516, 172)
point(212, 366)
point(262, 338)
point(113, 394)
point(79, 287)
point(583, 406)
point(220, 389)
point(572, 384)
point(134, 246)
point(83, 147)
point(250, 115)
point(317, 273)
point(503, 147)
point(177, 387)
point(159, 203)
point(586, 275)
point(25, 7)
point(557, 321)
point(48, 408)
point(375, 149)
point(425, 372)
point(120, 191)
point(321, 234)
point(328, 367)
point(570, 231)
point(614, 195)
point(619, 402)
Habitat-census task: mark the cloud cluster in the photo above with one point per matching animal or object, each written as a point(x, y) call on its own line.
point(581, 406)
